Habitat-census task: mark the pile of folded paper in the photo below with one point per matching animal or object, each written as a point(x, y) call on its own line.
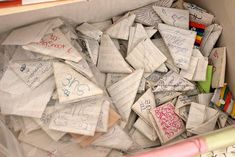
point(113, 88)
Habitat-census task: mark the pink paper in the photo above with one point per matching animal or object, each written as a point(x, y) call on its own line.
point(186, 148)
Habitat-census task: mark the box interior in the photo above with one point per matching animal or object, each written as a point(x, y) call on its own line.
point(99, 10)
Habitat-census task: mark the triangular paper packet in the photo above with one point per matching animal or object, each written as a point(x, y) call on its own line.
point(163, 97)
point(160, 44)
point(198, 125)
point(87, 140)
point(90, 31)
point(141, 142)
point(79, 118)
point(44, 121)
point(145, 129)
point(112, 78)
point(82, 67)
point(205, 98)
point(115, 138)
point(147, 16)
point(120, 29)
point(180, 43)
point(173, 82)
point(32, 33)
point(200, 72)
point(102, 25)
point(90, 47)
point(210, 37)
point(144, 104)
point(56, 45)
point(174, 17)
point(33, 73)
point(139, 35)
point(198, 14)
point(218, 60)
point(146, 55)
point(182, 107)
point(123, 92)
point(102, 125)
point(150, 31)
point(110, 59)
point(190, 72)
point(72, 86)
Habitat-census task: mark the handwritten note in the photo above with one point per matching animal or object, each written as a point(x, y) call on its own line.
point(144, 105)
point(32, 33)
point(163, 97)
point(146, 55)
point(173, 17)
point(147, 16)
point(56, 45)
point(80, 118)
point(210, 37)
point(168, 124)
point(218, 60)
point(123, 93)
point(33, 73)
point(198, 14)
point(180, 43)
point(90, 31)
point(72, 86)
point(173, 82)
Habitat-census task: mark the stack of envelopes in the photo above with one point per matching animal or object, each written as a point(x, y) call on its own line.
point(137, 81)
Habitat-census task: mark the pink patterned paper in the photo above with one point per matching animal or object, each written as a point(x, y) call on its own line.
point(168, 123)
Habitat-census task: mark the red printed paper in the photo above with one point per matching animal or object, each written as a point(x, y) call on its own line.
point(168, 124)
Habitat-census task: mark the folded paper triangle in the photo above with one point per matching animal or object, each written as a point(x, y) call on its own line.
point(79, 118)
point(110, 59)
point(218, 60)
point(90, 31)
point(200, 72)
point(173, 82)
point(33, 73)
point(120, 29)
point(138, 35)
point(56, 45)
point(160, 44)
point(180, 43)
point(150, 31)
point(173, 17)
point(115, 138)
point(123, 92)
point(72, 86)
point(146, 55)
point(190, 72)
point(82, 67)
point(144, 104)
